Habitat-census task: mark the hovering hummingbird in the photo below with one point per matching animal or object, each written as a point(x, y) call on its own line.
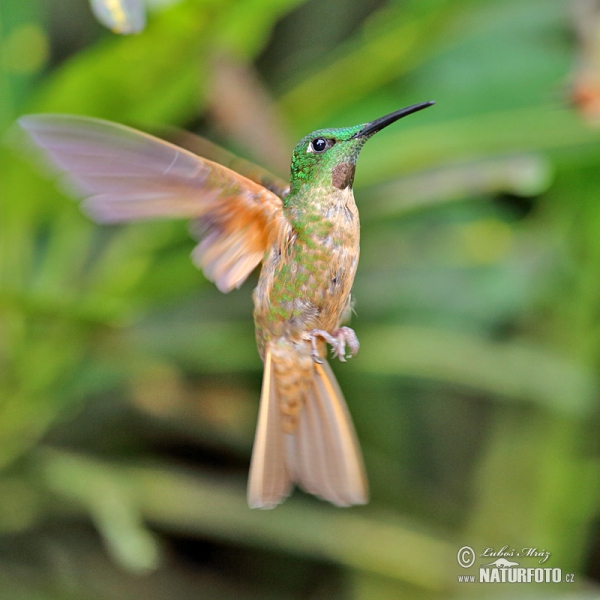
point(307, 236)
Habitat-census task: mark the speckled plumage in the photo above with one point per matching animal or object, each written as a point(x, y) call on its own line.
point(307, 274)
point(307, 237)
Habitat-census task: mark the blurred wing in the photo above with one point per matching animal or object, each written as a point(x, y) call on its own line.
point(203, 147)
point(127, 175)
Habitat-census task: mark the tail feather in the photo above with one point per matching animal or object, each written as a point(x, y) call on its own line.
point(341, 464)
point(307, 453)
point(321, 455)
point(269, 481)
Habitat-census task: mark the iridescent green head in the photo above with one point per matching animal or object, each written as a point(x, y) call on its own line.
point(327, 157)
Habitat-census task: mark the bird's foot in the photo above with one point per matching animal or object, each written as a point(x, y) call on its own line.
point(338, 340)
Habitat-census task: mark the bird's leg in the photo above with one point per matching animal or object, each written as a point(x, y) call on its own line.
point(337, 339)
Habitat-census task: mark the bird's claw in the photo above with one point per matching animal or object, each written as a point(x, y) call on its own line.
point(338, 340)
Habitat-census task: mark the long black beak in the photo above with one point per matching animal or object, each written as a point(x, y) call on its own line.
point(379, 124)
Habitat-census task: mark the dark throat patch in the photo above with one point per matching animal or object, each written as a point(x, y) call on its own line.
point(342, 175)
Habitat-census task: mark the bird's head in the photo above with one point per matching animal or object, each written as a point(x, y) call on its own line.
point(327, 157)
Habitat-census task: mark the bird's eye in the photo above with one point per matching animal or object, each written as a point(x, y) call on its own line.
point(319, 145)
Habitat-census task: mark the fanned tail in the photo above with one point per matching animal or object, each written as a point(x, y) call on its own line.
point(321, 455)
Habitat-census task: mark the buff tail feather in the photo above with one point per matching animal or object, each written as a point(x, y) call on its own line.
point(322, 455)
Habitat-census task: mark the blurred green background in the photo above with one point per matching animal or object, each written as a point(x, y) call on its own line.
point(129, 385)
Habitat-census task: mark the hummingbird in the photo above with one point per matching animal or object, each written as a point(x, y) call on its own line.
point(305, 233)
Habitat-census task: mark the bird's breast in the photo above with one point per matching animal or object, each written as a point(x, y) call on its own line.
point(306, 280)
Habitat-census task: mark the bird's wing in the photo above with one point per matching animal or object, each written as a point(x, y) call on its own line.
point(203, 147)
point(126, 175)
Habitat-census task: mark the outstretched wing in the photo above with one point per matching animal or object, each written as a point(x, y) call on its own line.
point(126, 175)
point(203, 147)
